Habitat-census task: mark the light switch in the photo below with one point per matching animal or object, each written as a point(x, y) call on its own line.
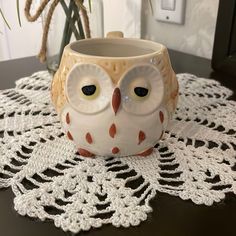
point(168, 5)
point(171, 11)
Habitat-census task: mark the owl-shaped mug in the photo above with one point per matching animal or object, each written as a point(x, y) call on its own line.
point(114, 95)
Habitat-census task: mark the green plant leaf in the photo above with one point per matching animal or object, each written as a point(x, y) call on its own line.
point(80, 2)
point(90, 6)
point(18, 12)
point(81, 5)
point(5, 20)
point(69, 19)
point(76, 10)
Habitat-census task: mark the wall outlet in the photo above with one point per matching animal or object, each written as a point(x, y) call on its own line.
point(172, 11)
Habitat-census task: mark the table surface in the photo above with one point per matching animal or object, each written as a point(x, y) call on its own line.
point(171, 216)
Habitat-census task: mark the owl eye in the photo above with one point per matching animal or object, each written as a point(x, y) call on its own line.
point(142, 89)
point(90, 91)
point(88, 88)
point(141, 92)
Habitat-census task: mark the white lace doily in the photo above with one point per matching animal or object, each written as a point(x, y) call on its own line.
point(196, 160)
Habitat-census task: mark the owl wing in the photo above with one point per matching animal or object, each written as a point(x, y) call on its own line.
point(57, 93)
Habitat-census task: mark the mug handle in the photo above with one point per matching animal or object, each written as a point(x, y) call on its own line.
point(115, 34)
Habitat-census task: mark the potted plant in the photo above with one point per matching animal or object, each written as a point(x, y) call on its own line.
point(70, 14)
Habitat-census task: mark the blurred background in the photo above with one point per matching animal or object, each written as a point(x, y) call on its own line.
point(136, 18)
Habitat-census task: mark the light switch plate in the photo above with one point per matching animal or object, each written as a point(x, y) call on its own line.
point(176, 16)
point(168, 5)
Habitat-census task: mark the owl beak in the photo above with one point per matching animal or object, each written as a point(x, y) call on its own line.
point(116, 99)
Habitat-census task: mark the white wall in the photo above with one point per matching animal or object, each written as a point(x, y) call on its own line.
point(195, 37)
point(19, 41)
point(123, 15)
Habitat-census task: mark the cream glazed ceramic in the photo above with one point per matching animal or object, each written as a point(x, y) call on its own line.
point(114, 95)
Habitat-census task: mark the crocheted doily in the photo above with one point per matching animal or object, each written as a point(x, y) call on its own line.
point(196, 159)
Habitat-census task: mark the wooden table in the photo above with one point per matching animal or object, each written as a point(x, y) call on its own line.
point(171, 216)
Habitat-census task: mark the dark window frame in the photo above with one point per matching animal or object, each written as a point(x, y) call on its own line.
point(224, 50)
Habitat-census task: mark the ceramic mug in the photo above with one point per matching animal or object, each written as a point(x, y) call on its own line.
point(114, 95)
